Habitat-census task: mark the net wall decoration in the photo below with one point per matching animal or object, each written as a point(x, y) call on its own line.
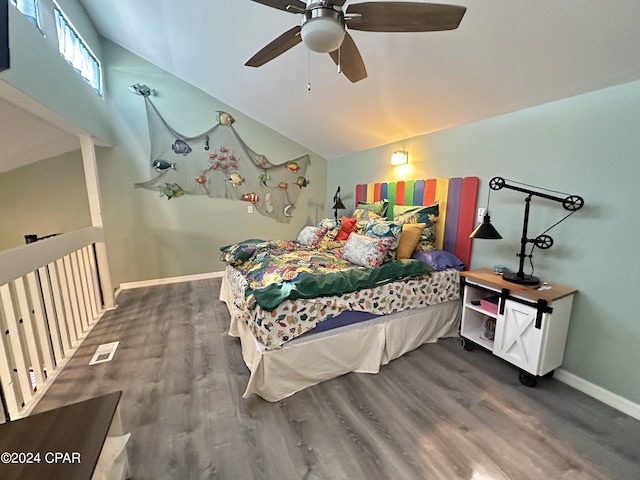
point(219, 164)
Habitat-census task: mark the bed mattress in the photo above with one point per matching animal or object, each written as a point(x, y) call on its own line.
point(293, 318)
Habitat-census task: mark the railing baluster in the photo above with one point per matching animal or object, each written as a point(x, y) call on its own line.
point(72, 284)
point(68, 297)
point(32, 354)
point(95, 279)
point(6, 378)
point(63, 307)
point(44, 334)
point(88, 284)
point(77, 286)
point(22, 374)
point(50, 312)
point(86, 287)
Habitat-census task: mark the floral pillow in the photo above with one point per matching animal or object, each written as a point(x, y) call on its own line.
point(238, 253)
point(366, 251)
point(379, 208)
point(362, 214)
point(311, 236)
point(420, 214)
point(385, 229)
point(332, 226)
point(361, 226)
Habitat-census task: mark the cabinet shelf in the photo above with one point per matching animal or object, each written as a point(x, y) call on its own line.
point(477, 336)
point(478, 308)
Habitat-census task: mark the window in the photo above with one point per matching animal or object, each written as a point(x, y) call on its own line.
point(29, 9)
point(76, 52)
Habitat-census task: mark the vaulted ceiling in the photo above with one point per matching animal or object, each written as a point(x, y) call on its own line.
point(506, 55)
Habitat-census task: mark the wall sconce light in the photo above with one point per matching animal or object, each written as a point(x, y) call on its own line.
point(399, 157)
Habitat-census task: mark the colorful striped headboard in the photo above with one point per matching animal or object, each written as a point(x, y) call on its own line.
point(456, 198)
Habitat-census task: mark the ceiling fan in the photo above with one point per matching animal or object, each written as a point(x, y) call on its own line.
point(324, 27)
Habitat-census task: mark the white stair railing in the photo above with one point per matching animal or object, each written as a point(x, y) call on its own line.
point(50, 297)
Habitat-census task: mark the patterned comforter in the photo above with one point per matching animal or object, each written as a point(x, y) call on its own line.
point(282, 289)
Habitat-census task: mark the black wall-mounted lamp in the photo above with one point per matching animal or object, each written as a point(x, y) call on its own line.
point(337, 204)
point(572, 203)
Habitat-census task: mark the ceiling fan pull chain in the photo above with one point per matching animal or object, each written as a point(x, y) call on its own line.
point(339, 60)
point(309, 70)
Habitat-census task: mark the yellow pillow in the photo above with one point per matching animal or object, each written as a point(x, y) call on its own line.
point(409, 238)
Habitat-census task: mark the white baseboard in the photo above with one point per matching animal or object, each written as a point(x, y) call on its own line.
point(599, 393)
point(166, 281)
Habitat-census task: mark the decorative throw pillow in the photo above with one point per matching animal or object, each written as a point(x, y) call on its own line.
point(332, 226)
point(366, 251)
point(385, 229)
point(238, 253)
point(379, 208)
point(420, 214)
point(311, 236)
point(411, 233)
point(347, 225)
point(362, 214)
point(439, 259)
point(361, 226)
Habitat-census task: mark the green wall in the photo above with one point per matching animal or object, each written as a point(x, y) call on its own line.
point(43, 198)
point(38, 70)
point(149, 237)
point(585, 145)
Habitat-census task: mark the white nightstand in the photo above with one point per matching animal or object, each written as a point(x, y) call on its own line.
point(531, 323)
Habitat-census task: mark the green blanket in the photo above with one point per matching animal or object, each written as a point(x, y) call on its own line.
point(280, 270)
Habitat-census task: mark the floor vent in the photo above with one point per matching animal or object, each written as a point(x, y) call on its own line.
point(104, 353)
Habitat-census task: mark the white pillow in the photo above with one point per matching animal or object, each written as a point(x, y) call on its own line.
point(366, 251)
point(311, 236)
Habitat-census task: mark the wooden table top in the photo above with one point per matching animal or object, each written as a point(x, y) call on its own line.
point(64, 443)
point(485, 276)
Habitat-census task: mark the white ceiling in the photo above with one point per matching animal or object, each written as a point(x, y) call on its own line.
point(506, 55)
point(44, 140)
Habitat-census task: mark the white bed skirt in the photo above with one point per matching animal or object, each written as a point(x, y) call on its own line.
point(362, 347)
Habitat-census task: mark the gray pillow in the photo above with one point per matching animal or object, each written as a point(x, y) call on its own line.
point(439, 259)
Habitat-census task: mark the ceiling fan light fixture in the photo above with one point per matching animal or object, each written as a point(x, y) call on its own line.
point(323, 30)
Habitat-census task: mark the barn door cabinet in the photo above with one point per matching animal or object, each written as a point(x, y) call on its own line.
point(526, 326)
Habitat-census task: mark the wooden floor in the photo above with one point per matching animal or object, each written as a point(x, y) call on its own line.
point(437, 413)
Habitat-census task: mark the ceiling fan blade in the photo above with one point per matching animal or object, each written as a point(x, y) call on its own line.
point(338, 3)
point(350, 60)
point(283, 4)
point(284, 42)
point(403, 17)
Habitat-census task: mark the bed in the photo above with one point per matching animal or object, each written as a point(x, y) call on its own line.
point(305, 312)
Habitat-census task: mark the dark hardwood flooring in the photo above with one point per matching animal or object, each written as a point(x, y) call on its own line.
point(439, 412)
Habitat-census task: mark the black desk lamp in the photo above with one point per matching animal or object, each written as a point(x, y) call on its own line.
point(337, 204)
point(571, 203)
